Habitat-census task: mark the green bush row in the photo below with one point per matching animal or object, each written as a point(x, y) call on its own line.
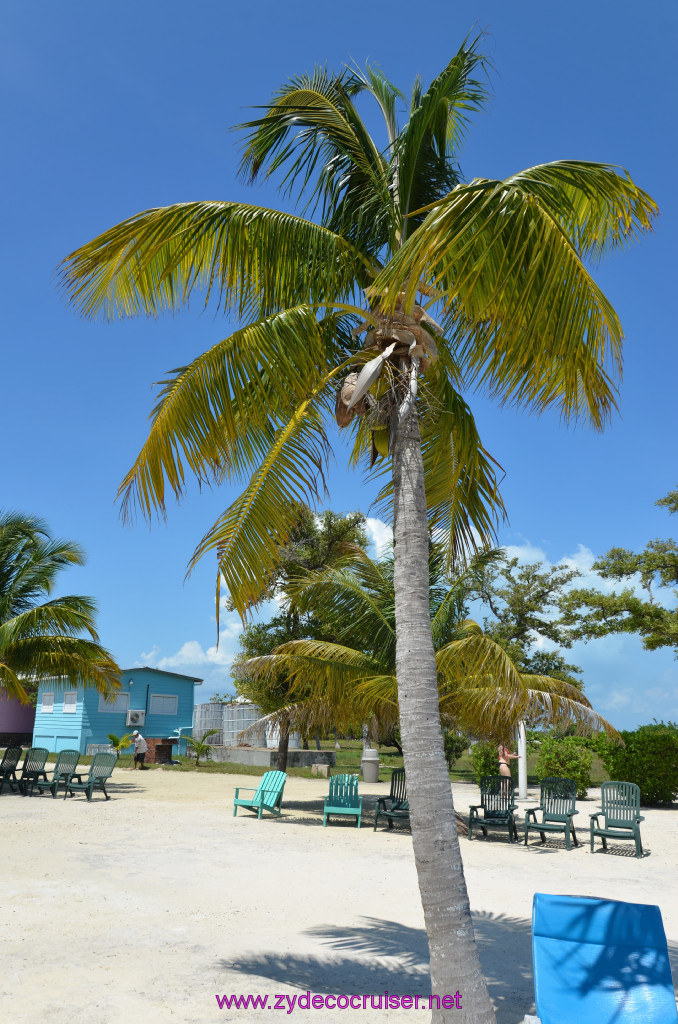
point(649, 758)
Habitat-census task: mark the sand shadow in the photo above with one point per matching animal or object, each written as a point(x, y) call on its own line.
point(381, 954)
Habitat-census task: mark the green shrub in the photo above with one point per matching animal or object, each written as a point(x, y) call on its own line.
point(649, 758)
point(566, 759)
point(455, 745)
point(486, 761)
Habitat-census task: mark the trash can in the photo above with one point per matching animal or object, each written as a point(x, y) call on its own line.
point(370, 765)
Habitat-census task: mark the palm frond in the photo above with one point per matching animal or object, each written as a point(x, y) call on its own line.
point(249, 535)
point(532, 326)
point(428, 144)
point(219, 417)
point(564, 704)
point(313, 131)
point(252, 260)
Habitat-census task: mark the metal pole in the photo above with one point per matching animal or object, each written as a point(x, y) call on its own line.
point(522, 762)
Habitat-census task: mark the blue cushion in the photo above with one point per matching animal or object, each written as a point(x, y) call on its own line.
point(600, 962)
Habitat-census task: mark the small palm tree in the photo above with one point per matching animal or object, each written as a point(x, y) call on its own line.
point(201, 748)
point(119, 743)
point(43, 639)
point(480, 690)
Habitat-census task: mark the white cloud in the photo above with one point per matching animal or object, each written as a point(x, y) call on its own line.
point(380, 534)
point(526, 553)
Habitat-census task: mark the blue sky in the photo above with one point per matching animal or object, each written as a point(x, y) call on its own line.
point(111, 108)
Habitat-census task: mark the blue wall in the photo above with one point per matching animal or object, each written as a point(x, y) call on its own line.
point(59, 730)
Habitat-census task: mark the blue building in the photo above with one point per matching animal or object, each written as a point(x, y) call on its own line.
point(155, 702)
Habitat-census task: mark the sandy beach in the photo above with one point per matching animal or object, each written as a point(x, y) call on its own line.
point(147, 906)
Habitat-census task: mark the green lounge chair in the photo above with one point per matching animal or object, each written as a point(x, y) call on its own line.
point(557, 808)
point(343, 798)
point(100, 771)
point(268, 796)
point(32, 769)
point(64, 771)
point(497, 802)
point(10, 760)
point(395, 806)
point(621, 814)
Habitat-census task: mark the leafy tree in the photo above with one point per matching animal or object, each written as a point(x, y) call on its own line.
point(594, 614)
point(120, 743)
point(525, 604)
point(501, 263)
point(222, 698)
point(200, 747)
point(41, 636)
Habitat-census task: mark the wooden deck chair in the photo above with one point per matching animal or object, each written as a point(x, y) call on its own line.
point(267, 797)
point(100, 772)
point(343, 798)
point(10, 760)
point(497, 803)
point(64, 770)
point(621, 814)
point(599, 962)
point(395, 806)
point(557, 806)
point(32, 769)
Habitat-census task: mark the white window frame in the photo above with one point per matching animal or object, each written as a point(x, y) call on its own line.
point(111, 707)
point(47, 709)
point(164, 696)
point(72, 706)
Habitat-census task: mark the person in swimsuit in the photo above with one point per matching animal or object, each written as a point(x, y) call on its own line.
point(505, 756)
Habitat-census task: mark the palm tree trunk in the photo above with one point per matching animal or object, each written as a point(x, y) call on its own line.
point(283, 745)
point(455, 965)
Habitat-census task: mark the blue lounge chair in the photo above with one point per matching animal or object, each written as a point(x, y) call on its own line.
point(268, 796)
point(600, 962)
point(343, 798)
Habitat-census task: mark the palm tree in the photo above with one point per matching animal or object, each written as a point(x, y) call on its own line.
point(119, 743)
point(200, 747)
point(43, 639)
point(480, 690)
point(500, 263)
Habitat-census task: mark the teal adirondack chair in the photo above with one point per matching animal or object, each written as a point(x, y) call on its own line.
point(10, 760)
point(64, 770)
point(621, 814)
point(100, 771)
point(32, 769)
point(267, 797)
point(557, 806)
point(395, 806)
point(497, 802)
point(343, 798)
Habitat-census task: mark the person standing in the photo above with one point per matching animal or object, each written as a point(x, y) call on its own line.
point(505, 756)
point(140, 748)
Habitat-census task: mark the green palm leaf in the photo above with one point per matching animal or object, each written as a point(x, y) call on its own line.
point(250, 259)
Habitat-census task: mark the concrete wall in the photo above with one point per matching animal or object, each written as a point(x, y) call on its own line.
point(267, 757)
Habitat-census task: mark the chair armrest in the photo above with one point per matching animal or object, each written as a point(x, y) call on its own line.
point(244, 789)
point(381, 802)
point(641, 817)
point(531, 812)
point(594, 817)
point(572, 813)
point(475, 807)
